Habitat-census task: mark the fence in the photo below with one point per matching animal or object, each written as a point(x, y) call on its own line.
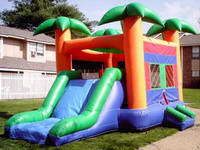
point(22, 86)
point(29, 85)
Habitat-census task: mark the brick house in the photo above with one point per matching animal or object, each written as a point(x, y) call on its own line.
point(190, 54)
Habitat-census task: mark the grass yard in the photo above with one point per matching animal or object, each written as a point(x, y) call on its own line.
point(111, 141)
point(192, 97)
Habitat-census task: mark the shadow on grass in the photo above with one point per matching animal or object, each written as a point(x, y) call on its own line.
point(5, 115)
point(2, 136)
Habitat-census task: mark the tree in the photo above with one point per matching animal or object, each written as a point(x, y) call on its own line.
point(28, 14)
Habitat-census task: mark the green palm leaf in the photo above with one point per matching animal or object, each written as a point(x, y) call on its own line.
point(171, 24)
point(61, 23)
point(104, 33)
point(46, 26)
point(131, 10)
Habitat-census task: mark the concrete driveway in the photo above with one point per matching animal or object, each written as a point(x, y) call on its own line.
point(188, 139)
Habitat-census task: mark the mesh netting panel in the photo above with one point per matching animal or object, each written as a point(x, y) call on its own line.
point(155, 76)
point(169, 76)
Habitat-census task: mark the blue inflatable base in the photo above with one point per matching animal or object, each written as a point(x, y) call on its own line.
point(32, 132)
point(145, 118)
point(91, 132)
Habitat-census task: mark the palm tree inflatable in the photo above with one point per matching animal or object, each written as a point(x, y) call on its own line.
point(170, 31)
point(62, 26)
point(132, 16)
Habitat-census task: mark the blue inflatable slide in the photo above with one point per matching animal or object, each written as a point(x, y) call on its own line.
point(76, 100)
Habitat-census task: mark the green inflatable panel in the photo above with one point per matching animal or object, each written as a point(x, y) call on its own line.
point(178, 115)
point(186, 111)
point(93, 108)
point(49, 103)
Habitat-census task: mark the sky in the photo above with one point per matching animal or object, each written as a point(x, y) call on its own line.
point(188, 10)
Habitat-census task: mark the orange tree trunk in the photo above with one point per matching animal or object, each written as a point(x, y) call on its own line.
point(134, 63)
point(63, 59)
point(173, 36)
point(109, 61)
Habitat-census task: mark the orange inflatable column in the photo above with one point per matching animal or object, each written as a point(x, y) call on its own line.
point(115, 62)
point(109, 61)
point(63, 60)
point(101, 71)
point(173, 36)
point(134, 63)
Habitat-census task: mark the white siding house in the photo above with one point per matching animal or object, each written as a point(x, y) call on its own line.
point(27, 64)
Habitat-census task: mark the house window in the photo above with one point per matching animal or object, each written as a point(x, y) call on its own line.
point(36, 49)
point(195, 73)
point(40, 49)
point(169, 76)
point(155, 76)
point(195, 52)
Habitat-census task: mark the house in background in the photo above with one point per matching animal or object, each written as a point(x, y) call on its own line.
point(20, 51)
point(27, 64)
point(190, 54)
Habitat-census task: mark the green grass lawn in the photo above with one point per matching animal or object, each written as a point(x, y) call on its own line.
point(192, 96)
point(111, 141)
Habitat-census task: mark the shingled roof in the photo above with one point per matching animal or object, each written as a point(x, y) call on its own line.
point(190, 40)
point(185, 39)
point(25, 35)
point(22, 64)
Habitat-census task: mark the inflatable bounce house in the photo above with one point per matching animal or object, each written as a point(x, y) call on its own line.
point(77, 108)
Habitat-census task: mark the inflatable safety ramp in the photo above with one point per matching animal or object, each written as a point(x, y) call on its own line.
point(74, 109)
point(179, 117)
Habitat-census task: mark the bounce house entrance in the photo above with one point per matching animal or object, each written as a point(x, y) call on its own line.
point(89, 70)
